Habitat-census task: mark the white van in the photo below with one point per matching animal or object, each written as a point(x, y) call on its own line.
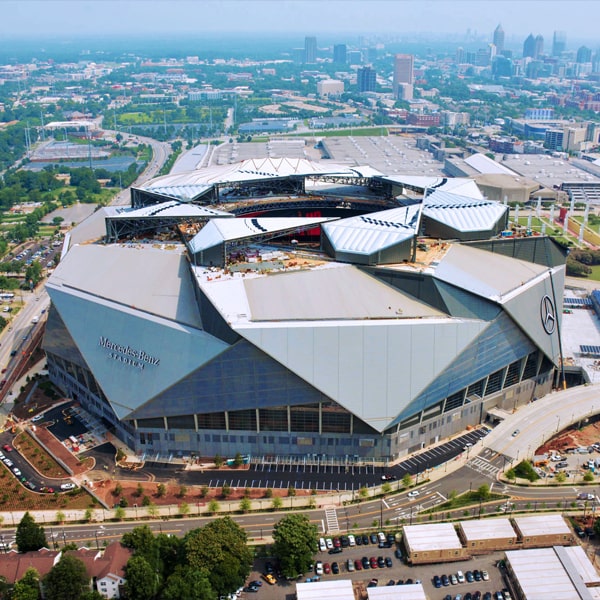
point(460, 576)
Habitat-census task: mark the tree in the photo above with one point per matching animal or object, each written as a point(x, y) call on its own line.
point(386, 487)
point(561, 477)
point(141, 540)
point(67, 579)
point(141, 580)
point(589, 476)
point(184, 509)
point(238, 460)
point(186, 583)
point(30, 536)
point(220, 549)
point(295, 543)
point(213, 507)
point(28, 587)
point(276, 503)
point(225, 490)
point(511, 475)
point(161, 490)
point(483, 492)
point(245, 505)
point(407, 480)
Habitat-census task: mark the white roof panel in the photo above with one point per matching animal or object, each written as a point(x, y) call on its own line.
point(462, 212)
point(413, 591)
point(172, 208)
point(367, 234)
point(340, 589)
point(458, 185)
point(486, 274)
point(224, 230)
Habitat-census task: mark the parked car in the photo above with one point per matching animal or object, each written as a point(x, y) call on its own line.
point(388, 562)
point(322, 545)
point(365, 563)
point(67, 486)
point(329, 543)
point(373, 583)
point(270, 578)
point(358, 565)
point(437, 581)
point(380, 562)
point(319, 568)
point(373, 562)
point(485, 575)
point(350, 565)
point(335, 568)
point(326, 568)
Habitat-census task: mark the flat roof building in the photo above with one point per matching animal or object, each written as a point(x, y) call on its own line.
point(537, 531)
point(487, 535)
point(432, 542)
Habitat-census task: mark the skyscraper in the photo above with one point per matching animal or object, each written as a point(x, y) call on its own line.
point(310, 50)
point(403, 70)
point(339, 54)
point(559, 43)
point(499, 39)
point(539, 46)
point(366, 79)
point(529, 46)
point(584, 55)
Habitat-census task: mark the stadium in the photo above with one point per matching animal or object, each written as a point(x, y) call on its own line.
point(283, 307)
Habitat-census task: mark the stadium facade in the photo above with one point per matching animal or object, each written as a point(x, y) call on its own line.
point(281, 307)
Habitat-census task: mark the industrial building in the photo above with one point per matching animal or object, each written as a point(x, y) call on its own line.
point(293, 308)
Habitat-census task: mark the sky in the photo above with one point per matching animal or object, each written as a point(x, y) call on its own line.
point(578, 18)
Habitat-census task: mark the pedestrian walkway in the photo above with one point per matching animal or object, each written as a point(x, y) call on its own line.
point(332, 521)
point(483, 466)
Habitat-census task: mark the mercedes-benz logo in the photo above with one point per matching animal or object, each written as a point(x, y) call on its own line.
point(548, 314)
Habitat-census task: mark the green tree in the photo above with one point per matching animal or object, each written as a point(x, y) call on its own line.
point(67, 579)
point(30, 536)
point(238, 460)
point(363, 493)
point(119, 513)
point(186, 583)
point(225, 490)
point(483, 492)
point(276, 503)
point(561, 477)
point(511, 475)
point(183, 491)
point(28, 587)
point(245, 505)
point(220, 549)
point(142, 541)
point(213, 507)
point(295, 544)
point(589, 476)
point(141, 579)
point(161, 490)
point(407, 480)
point(386, 487)
point(184, 509)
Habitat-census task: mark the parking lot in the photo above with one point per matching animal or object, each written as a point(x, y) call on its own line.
point(398, 571)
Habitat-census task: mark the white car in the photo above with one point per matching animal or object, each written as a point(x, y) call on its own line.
point(485, 575)
point(413, 494)
point(329, 543)
point(319, 568)
point(351, 540)
point(67, 486)
point(37, 418)
point(322, 545)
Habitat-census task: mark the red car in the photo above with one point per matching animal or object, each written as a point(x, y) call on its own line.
point(358, 565)
point(373, 562)
point(326, 569)
point(337, 542)
point(7, 448)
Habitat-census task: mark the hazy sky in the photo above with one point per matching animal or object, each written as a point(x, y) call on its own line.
point(579, 18)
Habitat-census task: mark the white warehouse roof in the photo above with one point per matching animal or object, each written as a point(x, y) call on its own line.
point(431, 536)
point(542, 525)
point(340, 589)
point(487, 529)
point(413, 591)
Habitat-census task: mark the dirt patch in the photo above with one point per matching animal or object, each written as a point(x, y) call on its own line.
point(38, 457)
point(112, 491)
point(29, 403)
point(572, 438)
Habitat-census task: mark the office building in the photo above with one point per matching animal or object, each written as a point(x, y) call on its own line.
point(498, 40)
point(354, 57)
point(310, 50)
point(339, 54)
point(559, 43)
point(330, 88)
point(584, 55)
point(366, 79)
point(193, 328)
point(403, 71)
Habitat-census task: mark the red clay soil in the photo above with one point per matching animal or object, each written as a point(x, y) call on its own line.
point(572, 438)
point(105, 490)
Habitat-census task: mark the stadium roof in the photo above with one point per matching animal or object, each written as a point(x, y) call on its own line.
point(367, 234)
point(218, 231)
point(457, 185)
point(490, 275)
point(187, 186)
point(173, 208)
point(463, 213)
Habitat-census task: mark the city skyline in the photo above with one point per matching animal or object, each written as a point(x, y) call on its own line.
point(136, 17)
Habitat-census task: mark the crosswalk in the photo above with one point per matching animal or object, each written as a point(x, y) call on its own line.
point(332, 521)
point(483, 466)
